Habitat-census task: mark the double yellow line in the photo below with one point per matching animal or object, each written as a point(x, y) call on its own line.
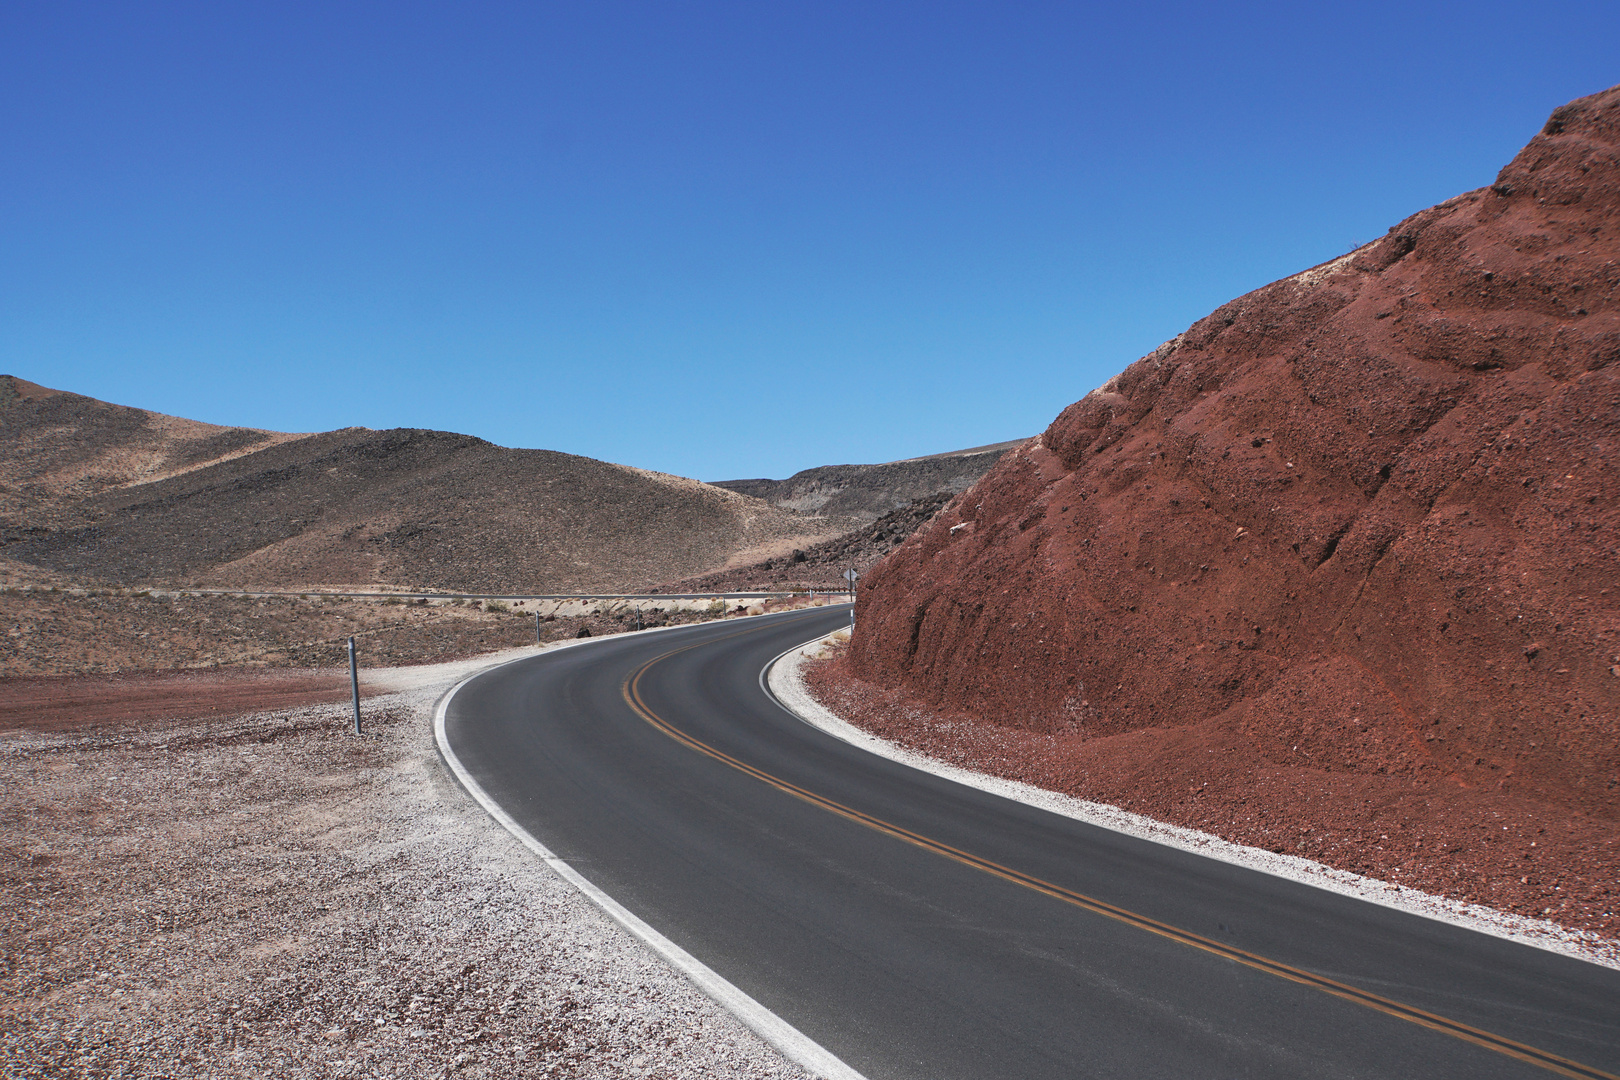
point(1434, 1022)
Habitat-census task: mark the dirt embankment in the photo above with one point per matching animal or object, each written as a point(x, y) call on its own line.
point(1525, 856)
point(1345, 555)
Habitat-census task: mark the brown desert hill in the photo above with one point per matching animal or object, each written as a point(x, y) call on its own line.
point(864, 493)
point(402, 508)
point(1362, 524)
point(61, 448)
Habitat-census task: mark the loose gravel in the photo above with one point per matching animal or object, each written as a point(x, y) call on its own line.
point(270, 896)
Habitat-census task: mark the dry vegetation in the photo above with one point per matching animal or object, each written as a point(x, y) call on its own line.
point(84, 632)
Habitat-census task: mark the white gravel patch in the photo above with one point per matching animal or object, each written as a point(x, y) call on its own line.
point(785, 680)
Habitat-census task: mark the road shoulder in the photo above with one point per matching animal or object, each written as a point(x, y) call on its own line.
point(785, 681)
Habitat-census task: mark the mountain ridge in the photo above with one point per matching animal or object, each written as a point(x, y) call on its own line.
point(101, 492)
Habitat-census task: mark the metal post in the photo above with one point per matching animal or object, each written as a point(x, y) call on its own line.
point(354, 685)
point(537, 628)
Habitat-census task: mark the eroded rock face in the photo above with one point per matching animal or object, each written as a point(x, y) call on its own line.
point(1369, 514)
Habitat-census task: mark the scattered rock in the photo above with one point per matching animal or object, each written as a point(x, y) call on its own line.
point(210, 910)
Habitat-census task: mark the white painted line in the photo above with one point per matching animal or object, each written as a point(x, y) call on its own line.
point(793, 1044)
point(782, 681)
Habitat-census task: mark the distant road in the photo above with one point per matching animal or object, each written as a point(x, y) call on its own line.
point(918, 928)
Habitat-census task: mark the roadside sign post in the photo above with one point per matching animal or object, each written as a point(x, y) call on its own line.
point(852, 575)
point(354, 685)
point(537, 628)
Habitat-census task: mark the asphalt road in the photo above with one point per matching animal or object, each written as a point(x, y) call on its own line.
point(918, 928)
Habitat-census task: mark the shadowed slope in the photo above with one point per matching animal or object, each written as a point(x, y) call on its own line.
point(61, 448)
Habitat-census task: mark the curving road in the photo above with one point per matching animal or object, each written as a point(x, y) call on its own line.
point(918, 928)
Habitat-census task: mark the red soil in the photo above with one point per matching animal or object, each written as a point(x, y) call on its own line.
point(1353, 538)
point(1510, 853)
point(57, 703)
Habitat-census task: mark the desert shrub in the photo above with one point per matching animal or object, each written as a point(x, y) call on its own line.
point(496, 606)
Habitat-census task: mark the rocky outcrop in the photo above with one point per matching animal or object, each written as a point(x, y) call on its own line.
point(863, 493)
point(1366, 517)
point(822, 566)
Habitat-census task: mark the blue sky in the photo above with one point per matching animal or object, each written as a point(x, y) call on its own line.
point(720, 240)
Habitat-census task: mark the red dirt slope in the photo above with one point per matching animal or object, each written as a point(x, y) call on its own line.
point(1363, 522)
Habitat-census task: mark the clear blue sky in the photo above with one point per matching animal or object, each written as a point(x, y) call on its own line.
point(714, 239)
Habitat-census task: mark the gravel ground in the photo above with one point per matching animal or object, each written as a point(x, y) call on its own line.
point(77, 631)
point(268, 896)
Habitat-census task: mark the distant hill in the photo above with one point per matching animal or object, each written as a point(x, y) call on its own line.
point(103, 492)
point(865, 493)
point(61, 448)
point(821, 566)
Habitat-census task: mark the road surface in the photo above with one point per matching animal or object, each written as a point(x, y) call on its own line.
point(918, 928)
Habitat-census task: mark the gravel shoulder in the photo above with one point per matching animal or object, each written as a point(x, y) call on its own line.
point(265, 895)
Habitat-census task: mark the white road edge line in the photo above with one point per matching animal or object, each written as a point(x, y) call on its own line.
point(793, 1044)
point(783, 683)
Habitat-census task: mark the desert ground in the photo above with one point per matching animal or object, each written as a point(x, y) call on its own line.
point(197, 891)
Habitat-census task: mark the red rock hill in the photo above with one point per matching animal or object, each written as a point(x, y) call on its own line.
point(1365, 519)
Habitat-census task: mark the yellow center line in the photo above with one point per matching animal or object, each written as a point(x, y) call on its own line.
point(1434, 1022)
